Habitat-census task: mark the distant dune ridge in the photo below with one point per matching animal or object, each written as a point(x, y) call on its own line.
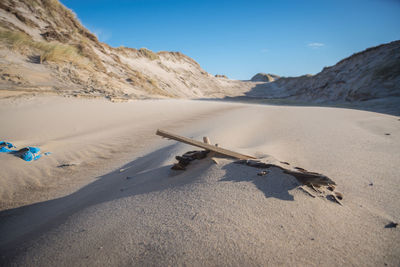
point(370, 74)
point(264, 77)
point(44, 49)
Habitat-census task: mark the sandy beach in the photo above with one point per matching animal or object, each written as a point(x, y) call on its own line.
point(199, 133)
point(106, 195)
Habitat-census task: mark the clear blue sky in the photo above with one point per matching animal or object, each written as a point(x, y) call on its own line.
point(241, 38)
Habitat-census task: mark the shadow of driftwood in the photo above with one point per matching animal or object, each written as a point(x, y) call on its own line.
point(275, 184)
point(20, 225)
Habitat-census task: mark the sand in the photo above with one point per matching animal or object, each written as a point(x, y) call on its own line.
point(115, 201)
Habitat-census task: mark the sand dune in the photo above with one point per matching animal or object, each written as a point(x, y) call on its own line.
point(365, 76)
point(118, 203)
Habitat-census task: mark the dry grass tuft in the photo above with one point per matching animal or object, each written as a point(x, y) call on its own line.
point(137, 78)
point(148, 53)
point(388, 71)
point(58, 53)
point(152, 82)
point(86, 51)
point(52, 52)
point(14, 39)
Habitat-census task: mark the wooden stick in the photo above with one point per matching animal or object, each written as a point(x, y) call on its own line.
point(192, 142)
point(306, 177)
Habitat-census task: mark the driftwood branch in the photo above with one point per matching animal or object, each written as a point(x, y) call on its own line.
point(321, 184)
point(303, 176)
point(187, 158)
point(316, 181)
point(210, 147)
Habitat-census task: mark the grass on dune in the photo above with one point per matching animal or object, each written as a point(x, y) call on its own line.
point(52, 51)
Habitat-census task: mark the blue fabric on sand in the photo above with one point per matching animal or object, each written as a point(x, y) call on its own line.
point(29, 155)
point(33, 149)
point(6, 147)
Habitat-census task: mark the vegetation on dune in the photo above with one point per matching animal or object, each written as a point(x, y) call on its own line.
point(137, 78)
point(388, 71)
point(63, 39)
point(148, 53)
point(79, 54)
point(53, 51)
point(15, 40)
point(86, 51)
point(62, 17)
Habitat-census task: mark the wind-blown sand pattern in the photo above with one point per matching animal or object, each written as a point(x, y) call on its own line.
point(106, 194)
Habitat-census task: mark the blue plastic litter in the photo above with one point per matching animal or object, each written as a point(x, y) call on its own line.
point(5, 147)
point(29, 153)
point(27, 156)
point(33, 149)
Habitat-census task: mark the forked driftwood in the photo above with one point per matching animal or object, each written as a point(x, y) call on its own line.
point(188, 157)
point(303, 176)
point(319, 183)
point(206, 146)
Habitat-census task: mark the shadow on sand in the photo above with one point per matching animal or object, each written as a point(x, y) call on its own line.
point(22, 225)
point(275, 184)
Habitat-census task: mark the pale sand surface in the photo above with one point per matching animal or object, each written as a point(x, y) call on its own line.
point(211, 214)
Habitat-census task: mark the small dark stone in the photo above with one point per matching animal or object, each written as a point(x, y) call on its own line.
point(128, 177)
point(387, 133)
point(262, 173)
point(312, 239)
point(371, 184)
point(391, 225)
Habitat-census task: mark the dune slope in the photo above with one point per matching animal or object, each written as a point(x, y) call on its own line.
point(370, 74)
point(44, 49)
